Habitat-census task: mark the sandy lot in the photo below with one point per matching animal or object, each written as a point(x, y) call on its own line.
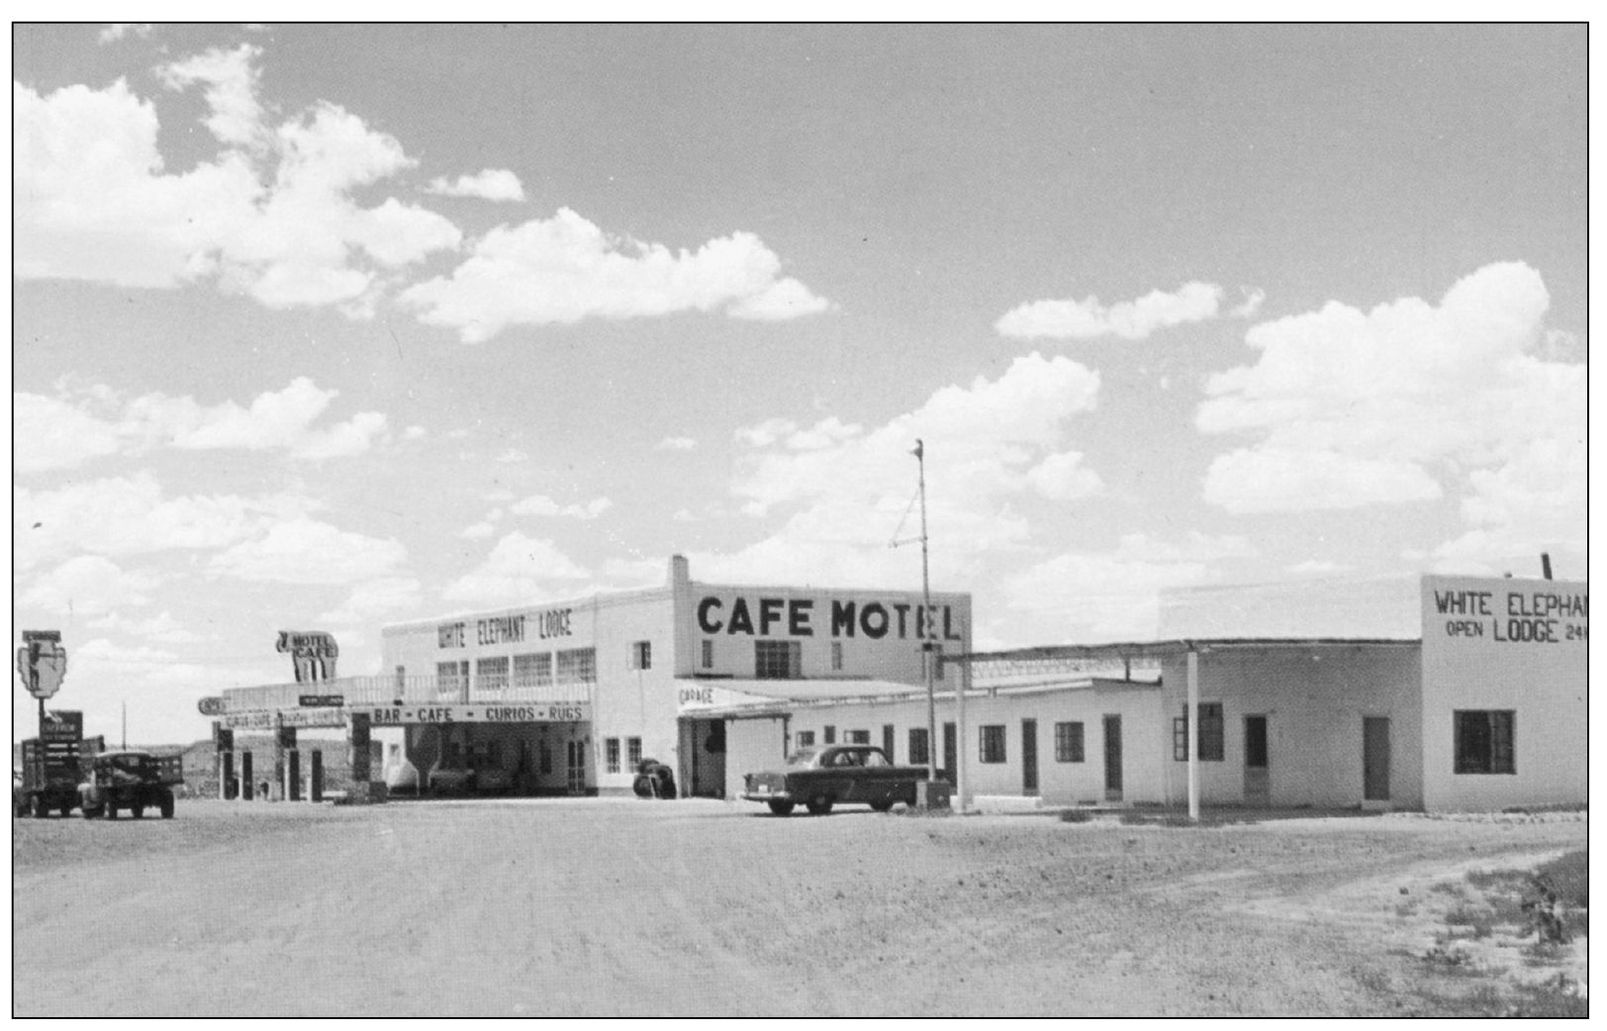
point(609, 906)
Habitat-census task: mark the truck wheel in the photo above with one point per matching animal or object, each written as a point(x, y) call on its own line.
point(40, 809)
point(818, 806)
point(66, 810)
point(166, 804)
point(883, 806)
point(138, 811)
point(781, 808)
point(89, 812)
point(108, 809)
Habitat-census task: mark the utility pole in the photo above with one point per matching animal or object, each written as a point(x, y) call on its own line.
point(926, 616)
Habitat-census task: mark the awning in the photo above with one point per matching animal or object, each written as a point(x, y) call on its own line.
point(734, 699)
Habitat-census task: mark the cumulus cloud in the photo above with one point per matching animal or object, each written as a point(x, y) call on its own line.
point(381, 598)
point(272, 216)
point(88, 585)
point(53, 433)
point(675, 444)
point(119, 29)
point(307, 551)
point(1130, 320)
point(230, 77)
point(565, 269)
point(130, 515)
point(1405, 402)
point(519, 569)
point(844, 489)
point(497, 184)
point(1111, 595)
point(541, 505)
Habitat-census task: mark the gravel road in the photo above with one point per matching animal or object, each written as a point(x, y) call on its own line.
point(603, 906)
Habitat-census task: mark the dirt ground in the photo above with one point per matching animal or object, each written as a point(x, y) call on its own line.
point(603, 906)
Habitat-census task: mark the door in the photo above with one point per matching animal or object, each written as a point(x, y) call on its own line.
point(1257, 765)
point(1113, 758)
point(1375, 758)
point(950, 764)
point(577, 767)
point(1029, 757)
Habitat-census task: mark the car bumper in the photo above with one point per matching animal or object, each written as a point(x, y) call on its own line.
point(761, 795)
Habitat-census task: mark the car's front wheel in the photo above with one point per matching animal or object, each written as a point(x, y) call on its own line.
point(819, 806)
point(780, 808)
point(883, 806)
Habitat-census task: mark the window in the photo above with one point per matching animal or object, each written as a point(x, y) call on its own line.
point(401, 680)
point(1068, 743)
point(1483, 740)
point(491, 674)
point(452, 680)
point(806, 738)
point(708, 654)
point(887, 740)
point(611, 749)
point(920, 747)
point(1210, 748)
point(532, 670)
point(641, 655)
point(859, 737)
point(993, 743)
point(633, 751)
point(836, 656)
point(831, 734)
point(778, 660)
point(577, 666)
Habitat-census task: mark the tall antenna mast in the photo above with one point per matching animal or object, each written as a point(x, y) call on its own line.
point(924, 621)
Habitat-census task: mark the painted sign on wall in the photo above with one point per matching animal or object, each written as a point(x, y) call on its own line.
point(1527, 612)
point(515, 629)
point(837, 618)
point(530, 712)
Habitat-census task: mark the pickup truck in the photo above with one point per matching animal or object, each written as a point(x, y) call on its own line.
point(819, 777)
point(130, 780)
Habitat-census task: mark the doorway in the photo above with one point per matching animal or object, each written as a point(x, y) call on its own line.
point(577, 767)
point(1029, 757)
point(1257, 765)
point(1375, 758)
point(951, 765)
point(1113, 758)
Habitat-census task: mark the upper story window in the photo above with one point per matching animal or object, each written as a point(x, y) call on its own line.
point(491, 674)
point(532, 670)
point(778, 660)
point(641, 656)
point(577, 666)
point(836, 656)
point(708, 654)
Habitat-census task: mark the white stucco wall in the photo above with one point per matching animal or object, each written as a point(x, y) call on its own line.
point(1506, 644)
point(1315, 699)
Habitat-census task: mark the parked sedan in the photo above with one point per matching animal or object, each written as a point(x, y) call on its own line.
point(820, 777)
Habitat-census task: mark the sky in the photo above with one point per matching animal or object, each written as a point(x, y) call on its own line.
point(325, 327)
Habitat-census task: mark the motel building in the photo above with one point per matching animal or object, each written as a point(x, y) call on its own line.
point(1481, 709)
point(565, 698)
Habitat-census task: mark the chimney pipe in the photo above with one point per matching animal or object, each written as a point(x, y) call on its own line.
point(1545, 565)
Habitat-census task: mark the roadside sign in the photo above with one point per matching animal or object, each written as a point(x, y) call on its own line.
point(211, 705)
point(42, 662)
point(321, 701)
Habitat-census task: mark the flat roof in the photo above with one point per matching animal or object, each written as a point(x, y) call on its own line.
point(1180, 646)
